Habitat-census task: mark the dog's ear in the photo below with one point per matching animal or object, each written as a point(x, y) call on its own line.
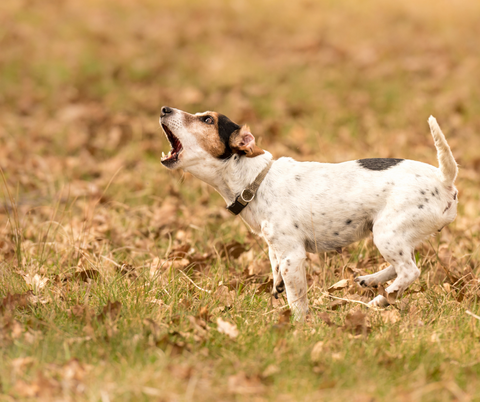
point(243, 141)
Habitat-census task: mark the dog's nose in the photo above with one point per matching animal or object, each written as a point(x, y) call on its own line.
point(166, 110)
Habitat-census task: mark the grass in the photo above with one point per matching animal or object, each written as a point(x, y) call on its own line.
point(114, 271)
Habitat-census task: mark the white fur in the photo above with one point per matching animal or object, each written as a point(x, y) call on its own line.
point(316, 207)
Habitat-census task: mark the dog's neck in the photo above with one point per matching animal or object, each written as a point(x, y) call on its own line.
point(232, 176)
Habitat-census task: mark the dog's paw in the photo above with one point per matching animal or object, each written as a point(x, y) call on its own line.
point(379, 301)
point(366, 281)
point(280, 288)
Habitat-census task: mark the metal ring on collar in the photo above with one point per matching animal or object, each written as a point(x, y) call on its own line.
point(247, 192)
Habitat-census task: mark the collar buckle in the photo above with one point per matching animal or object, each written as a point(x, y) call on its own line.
point(248, 194)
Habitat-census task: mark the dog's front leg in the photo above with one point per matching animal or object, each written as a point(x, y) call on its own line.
point(292, 269)
point(278, 284)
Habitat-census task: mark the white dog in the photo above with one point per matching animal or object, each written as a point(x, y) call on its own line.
point(309, 206)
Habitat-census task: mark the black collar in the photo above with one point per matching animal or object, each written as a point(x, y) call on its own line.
point(248, 194)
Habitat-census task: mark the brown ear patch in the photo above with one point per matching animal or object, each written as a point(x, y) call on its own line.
point(243, 141)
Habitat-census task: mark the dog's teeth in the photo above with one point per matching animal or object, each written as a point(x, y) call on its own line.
point(163, 154)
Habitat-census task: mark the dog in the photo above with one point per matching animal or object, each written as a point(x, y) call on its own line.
point(300, 207)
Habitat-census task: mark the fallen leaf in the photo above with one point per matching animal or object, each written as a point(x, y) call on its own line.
point(325, 318)
point(242, 384)
point(86, 274)
point(356, 322)
point(110, 311)
point(225, 296)
point(390, 316)
point(317, 352)
point(258, 268)
point(227, 328)
point(335, 304)
point(16, 300)
point(127, 270)
point(271, 369)
point(339, 285)
point(35, 282)
point(265, 287)
point(232, 250)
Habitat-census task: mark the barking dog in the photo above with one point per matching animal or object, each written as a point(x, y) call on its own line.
point(308, 206)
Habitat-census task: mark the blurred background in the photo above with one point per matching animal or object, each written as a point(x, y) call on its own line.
point(82, 83)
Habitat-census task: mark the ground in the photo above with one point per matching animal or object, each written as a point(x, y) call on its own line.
point(122, 281)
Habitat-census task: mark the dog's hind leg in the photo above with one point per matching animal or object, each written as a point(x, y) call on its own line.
point(398, 252)
point(377, 278)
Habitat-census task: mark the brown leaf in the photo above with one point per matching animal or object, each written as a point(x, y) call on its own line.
point(242, 384)
point(390, 316)
point(127, 270)
point(356, 322)
point(285, 317)
point(336, 304)
point(203, 313)
point(225, 296)
point(174, 347)
point(183, 371)
point(86, 274)
point(258, 268)
point(317, 352)
point(325, 318)
point(198, 325)
point(265, 287)
point(232, 250)
point(227, 328)
point(42, 386)
point(16, 300)
point(342, 284)
point(180, 251)
point(77, 310)
point(110, 311)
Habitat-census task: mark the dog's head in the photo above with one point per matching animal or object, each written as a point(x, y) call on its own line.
point(197, 138)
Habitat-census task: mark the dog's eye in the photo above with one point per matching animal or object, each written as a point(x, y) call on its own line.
point(207, 119)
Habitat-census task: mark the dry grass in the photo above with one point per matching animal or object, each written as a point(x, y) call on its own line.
point(115, 272)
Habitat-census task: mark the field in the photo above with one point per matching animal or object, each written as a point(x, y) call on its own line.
point(122, 281)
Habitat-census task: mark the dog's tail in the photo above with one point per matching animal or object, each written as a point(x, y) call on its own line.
point(447, 165)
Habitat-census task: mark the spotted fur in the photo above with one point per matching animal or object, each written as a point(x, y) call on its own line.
point(316, 207)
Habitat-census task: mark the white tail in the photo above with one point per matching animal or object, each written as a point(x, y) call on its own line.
point(446, 161)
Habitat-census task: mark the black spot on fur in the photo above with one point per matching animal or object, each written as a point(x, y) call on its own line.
point(436, 190)
point(433, 194)
point(422, 192)
point(420, 206)
point(348, 222)
point(335, 233)
point(455, 195)
point(296, 225)
point(379, 163)
point(401, 253)
point(297, 178)
point(225, 129)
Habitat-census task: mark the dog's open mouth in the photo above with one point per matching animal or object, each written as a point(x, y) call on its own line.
point(177, 148)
